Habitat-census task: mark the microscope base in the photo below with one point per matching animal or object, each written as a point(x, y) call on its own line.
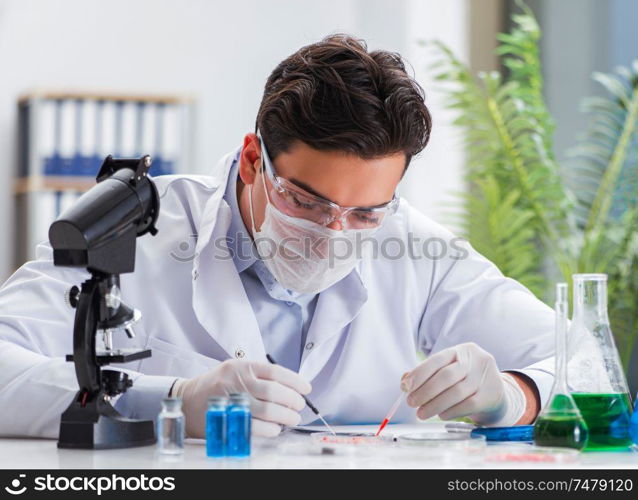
point(100, 426)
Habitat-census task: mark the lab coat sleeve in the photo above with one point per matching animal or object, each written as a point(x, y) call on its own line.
point(470, 300)
point(36, 383)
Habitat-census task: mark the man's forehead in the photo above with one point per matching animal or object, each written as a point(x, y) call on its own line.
point(342, 178)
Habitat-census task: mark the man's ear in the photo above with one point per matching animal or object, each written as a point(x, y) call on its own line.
point(250, 159)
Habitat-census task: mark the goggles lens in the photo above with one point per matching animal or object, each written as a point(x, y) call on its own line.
point(294, 201)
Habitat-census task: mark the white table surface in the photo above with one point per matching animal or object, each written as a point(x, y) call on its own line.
point(295, 451)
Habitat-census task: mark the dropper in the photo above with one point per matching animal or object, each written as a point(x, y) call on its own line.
point(390, 414)
point(310, 405)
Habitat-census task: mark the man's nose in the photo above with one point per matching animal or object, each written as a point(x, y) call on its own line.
point(336, 225)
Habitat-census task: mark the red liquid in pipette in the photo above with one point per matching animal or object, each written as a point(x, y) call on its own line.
point(383, 424)
point(390, 414)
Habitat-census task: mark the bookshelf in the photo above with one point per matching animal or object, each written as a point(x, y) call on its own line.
point(63, 137)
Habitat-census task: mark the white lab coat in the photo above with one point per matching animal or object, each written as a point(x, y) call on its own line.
point(364, 335)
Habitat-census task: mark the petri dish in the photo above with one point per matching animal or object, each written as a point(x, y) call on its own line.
point(438, 449)
point(350, 443)
point(447, 440)
point(350, 438)
point(516, 454)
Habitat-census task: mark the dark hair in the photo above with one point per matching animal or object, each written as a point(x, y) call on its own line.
point(334, 95)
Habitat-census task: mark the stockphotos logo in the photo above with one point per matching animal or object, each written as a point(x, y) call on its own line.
point(96, 484)
point(15, 488)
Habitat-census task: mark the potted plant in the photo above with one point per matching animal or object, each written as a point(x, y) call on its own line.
point(537, 220)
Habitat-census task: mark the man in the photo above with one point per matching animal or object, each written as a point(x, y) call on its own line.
point(298, 247)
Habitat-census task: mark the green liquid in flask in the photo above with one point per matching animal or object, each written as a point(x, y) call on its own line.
point(608, 418)
point(563, 431)
point(561, 425)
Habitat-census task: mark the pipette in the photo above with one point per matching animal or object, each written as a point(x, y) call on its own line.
point(390, 414)
point(310, 405)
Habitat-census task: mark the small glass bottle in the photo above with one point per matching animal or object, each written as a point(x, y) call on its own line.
point(216, 426)
point(560, 423)
point(170, 427)
point(238, 425)
point(596, 376)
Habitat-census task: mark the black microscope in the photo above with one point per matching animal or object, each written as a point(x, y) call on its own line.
point(99, 233)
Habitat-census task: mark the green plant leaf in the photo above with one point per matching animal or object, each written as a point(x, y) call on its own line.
point(521, 206)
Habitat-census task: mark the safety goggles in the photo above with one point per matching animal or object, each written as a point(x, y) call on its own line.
point(294, 201)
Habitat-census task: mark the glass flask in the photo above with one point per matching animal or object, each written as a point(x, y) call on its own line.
point(170, 427)
point(633, 429)
point(596, 377)
point(560, 423)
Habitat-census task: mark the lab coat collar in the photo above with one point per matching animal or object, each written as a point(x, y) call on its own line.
point(219, 300)
point(336, 308)
point(240, 241)
point(209, 216)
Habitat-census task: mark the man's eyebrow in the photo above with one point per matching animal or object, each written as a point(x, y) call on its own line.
point(306, 187)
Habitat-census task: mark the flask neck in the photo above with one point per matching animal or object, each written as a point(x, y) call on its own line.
point(590, 299)
point(560, 381)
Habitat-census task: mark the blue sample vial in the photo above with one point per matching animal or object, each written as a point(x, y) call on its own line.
point(238, 412)
point(170, 427)
point(216, 427)
point(513, 433)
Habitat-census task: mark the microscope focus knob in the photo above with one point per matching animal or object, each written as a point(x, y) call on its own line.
point(115, 382)
point(113, 298)
point(71, 296)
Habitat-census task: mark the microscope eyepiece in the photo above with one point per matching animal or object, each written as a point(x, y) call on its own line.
point(99, 231)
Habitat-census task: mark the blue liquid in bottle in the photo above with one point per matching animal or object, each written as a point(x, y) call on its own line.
point(238, 413)
point(216, 427)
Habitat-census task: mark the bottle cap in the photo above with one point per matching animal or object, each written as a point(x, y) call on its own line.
point(172, 404)
point(218, 400)
point(239, 398)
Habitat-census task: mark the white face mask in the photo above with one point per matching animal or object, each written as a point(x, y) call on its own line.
point(304, 256)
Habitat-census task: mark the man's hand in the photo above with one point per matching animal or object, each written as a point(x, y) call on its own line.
point(275, 393)
point(464, 381)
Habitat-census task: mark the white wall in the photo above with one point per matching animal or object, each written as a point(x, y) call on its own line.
point(437, 172)
point(219, 51)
